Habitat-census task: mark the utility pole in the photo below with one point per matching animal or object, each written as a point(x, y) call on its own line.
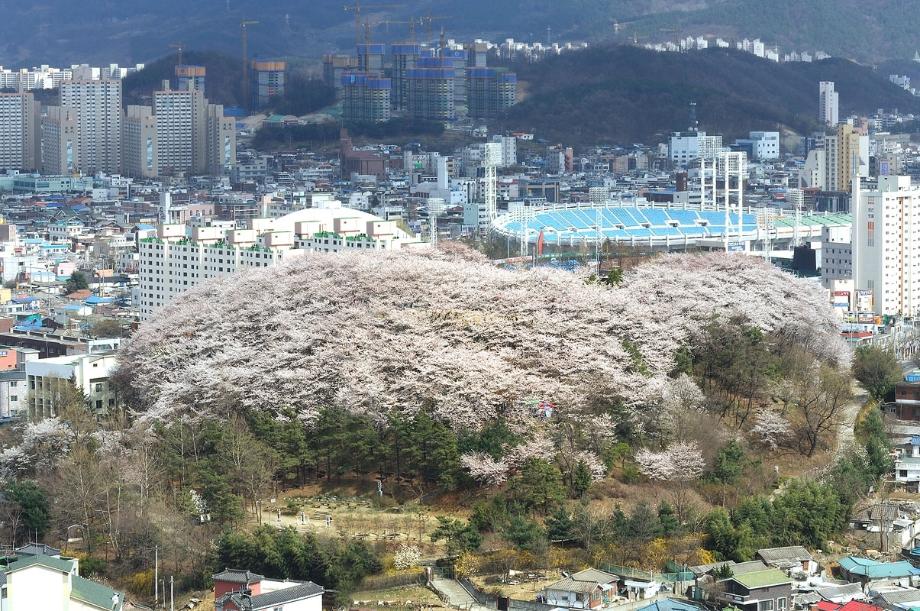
point(172, 600)
point(244, 39)
point(156, 574)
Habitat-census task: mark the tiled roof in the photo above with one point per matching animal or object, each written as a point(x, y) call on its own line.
point(780, 554)
point(65, 566)
point(878, 570)
point(237, 576)
point(94, 594)
point(308, 589)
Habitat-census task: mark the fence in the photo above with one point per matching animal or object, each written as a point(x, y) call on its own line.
point(631, 573)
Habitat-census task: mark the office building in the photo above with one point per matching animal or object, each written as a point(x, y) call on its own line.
point(684, 147)
point(827, 104)
point(405, 57)
point(97, 109)
point(19, 131)
point(491, 92)
point(366, 97)
point(139, 143)
point(886, 245)
point(431, 90)
point(268, 81)
point(59, 148)
point(181, 131)
point(190, 77)
point(221, 141)
point(759, 146)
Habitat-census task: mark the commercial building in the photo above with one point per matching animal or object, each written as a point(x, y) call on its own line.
point(846, 155)
point(827, 104)
point(90, 373)
point(760, 146)
point(366, 97)
point(96, 105)
point(837, 260)
point(190, 77)
point(59, 149)
point(139, 143)
point(19, 132)
point(431, 86)
point(268, 81)
point(491, 91)
point(886, 245)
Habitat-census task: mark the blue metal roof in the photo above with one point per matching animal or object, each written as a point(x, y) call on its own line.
point(874, 569)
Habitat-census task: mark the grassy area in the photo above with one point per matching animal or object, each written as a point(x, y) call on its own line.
point(404, 596)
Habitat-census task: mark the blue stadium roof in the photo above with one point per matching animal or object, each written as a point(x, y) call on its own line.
point(625, 223)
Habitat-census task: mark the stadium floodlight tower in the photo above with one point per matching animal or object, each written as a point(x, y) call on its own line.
point(705, 173)
point(733, 166)
point(491, 197)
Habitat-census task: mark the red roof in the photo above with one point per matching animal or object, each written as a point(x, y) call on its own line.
point(853, 605)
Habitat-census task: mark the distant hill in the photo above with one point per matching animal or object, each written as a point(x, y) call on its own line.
point(103, 31)
point(625, 94)
point(223, 83)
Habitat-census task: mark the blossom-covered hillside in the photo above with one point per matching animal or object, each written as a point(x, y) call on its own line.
point(454, 336)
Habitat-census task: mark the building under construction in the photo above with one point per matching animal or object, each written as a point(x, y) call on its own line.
point(365, 97)
point(491, 92)
point(268, 81)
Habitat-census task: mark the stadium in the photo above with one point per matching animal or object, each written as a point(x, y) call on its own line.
point(663, 227)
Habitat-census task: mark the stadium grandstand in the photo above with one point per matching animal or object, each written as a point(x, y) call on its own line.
point(667, 228)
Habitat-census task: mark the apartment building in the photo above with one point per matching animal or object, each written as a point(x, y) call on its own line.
point(59, 147)
point(19, 131)
point(886, 244)
point(181, 128)
point(90, 373)
point(96, 105)
point(183, 256)
point(139, 143)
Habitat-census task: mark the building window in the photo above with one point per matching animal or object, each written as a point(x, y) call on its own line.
point(765, 605)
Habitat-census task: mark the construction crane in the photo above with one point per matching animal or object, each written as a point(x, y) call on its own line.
point(244, 39)
point(411, 23)
point(428, 20)
point(178, 46)
point(357, 10)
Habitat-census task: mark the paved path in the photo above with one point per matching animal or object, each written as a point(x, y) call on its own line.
point(456, 595)
point(846, 431)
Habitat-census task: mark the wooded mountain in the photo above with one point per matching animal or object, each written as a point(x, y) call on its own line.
point(103, 31)
point(624, 94)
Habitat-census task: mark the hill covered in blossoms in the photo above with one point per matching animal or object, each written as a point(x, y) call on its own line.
point(458, 338)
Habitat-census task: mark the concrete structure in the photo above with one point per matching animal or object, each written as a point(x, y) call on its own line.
point(181, 131)
point(491, 91)
point(268, 81)
point(180, 257)
point(886, 246)
point(139, 143)
point(98, 114)
point(89, 373)
point(827, 104)
point(59, 150)
point(837, 260)
point(405, 56)
point(221, 141)
point(334, 66)
point(190, 77)
point(19, 132)
point(366, 97)
point(684, 147)
point(765, 590)
point(237, 590)
point(760, 146)
point(431, 94)
point(846, 155)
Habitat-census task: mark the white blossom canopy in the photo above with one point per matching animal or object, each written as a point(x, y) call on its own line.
point(374, 333)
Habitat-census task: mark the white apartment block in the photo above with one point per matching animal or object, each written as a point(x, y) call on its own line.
point(90, 374)
point(19, 137)
point(886, 245)
point(182, 256)
point(59, 154)
point(139, 143)
point(684, 147)
point(828, 107)
point(221, 137)
point(98, 113)
point(181, 131)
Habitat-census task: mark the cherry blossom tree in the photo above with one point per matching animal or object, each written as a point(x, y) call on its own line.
point(772, 429)
point(678, 464)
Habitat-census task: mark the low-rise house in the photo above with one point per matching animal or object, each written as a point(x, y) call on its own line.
point(52, 584)
point(588, 589)
point(853, 605)
point(840, 594)
point(898, 599)
point(907, 464)
point(794, 559)
point(241, 590)
point(671, 604)
point(887, 526)
point(872, 573)
point(766, 590)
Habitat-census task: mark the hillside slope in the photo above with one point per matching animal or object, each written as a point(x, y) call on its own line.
point(103, 31)
point(625, 94)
